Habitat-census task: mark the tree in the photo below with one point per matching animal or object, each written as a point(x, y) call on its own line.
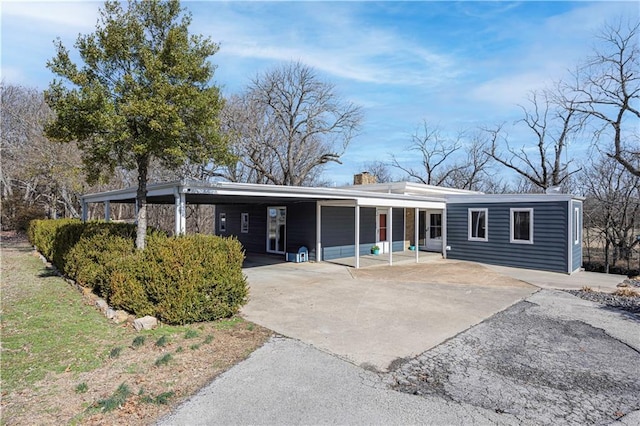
point(37, 178)
point(435, 152)
point(606, 90)
point(143, 92)
point(287, 125)
point(378, 169)
point(473, 173)
point(612, 208)
point(553, 125)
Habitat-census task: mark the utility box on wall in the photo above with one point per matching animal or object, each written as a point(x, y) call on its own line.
point(301, 256)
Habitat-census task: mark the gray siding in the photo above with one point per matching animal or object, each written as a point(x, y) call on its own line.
point(338, 231)
point(301, 228)
point(576, 249)
point(549, 250)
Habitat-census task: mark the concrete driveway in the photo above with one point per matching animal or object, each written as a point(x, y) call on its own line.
point(375, 316)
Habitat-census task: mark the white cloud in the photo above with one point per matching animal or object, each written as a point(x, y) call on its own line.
point(69, 16)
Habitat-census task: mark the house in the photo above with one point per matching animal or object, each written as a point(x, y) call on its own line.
point(535, 231)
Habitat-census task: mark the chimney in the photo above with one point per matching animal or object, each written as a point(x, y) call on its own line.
point(364, 178)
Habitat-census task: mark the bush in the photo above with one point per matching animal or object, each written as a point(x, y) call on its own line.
point(16, 213)
point(179, 280)
point(195, 278)
point(617, 269)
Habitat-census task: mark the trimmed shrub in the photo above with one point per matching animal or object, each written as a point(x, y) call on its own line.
point(195, 278)
point(42, 234)
point(126, 286)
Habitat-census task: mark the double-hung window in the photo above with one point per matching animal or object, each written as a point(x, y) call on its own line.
point(521, 226)
point(478, 229)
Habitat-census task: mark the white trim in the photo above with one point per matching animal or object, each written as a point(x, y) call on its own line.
point(444, 233)
point(520, 210)
point(357, 236)
point(416, 234)
point(222, 220)
point(576, 228)
point(390, 229)
point(470, 212)
point(244, 220)
point(318, 232)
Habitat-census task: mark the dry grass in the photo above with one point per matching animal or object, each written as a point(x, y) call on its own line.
point(626, 292)
point(63, 362)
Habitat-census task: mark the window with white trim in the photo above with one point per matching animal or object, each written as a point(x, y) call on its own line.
point(244, 222)
point(576, 226)
point(521, 226)
point(478, 229)
point(222, 222)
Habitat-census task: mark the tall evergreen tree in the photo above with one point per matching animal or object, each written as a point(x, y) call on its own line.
point(144, 91)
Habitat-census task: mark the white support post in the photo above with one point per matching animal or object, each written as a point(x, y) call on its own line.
point(107, 211)
point(318, 232)
point(416, 224)
point(357, 235)
point(137, 210)
point(444, 233)
point(181, 220)
point(390, 236)
point(85, 210)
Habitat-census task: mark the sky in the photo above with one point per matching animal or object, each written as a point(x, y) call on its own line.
point(456, 65)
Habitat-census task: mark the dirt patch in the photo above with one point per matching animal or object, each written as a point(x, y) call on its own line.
point(439, 272)
point(193, 356)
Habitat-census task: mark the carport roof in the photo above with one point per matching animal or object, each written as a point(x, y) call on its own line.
point(197, 192)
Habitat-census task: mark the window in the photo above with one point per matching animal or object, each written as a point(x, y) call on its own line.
point(522, 226)
point(576, 226)
point(244, 222)
point(478, 225)
point(222, 222)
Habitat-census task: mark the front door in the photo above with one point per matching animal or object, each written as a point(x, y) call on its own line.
point(434, 231)
point(382, 230)
point(276, 229)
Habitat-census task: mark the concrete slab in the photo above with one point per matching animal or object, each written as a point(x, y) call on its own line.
point(555, 280)
point(286, 382)
point(373, 316)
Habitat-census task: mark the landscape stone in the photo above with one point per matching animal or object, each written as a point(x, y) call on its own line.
point(110, 313)
point(102, 305)
point(145, 323)
point(120, 316)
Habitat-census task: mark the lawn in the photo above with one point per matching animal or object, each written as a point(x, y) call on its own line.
point(64, 362)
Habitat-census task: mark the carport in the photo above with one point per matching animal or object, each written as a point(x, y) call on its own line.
point(315, 228)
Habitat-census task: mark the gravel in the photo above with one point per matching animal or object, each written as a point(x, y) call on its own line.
point(625, 303)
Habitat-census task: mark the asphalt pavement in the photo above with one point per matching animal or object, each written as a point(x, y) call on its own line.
point(551, 359)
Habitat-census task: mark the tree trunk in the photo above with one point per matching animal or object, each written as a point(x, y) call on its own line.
point(141, 199)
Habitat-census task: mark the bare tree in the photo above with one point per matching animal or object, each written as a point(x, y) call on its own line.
point(378, 169)
point(435, 151)
point(606, 89)
point(473, 173)
point(35, 174)
point(552, 126)
point(612, 209)
point(286, 126)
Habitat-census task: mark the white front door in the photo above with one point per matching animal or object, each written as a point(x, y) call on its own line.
point(382, 230)
point(276, 229)
point(433, 231)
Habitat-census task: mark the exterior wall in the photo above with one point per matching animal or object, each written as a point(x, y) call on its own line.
point(549, 251)
point(301, 226)
point(576, 248)
point(338, 231)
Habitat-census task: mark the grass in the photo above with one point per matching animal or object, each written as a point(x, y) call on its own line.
point(33, 304)
point(55, 342)
point(117, 399)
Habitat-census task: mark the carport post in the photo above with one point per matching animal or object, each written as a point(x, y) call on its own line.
point(390, 236)
point(416, 224)
point(107, 211)
point(318, 231)
point(357, 235)
point(181, 220)
point(85, 210)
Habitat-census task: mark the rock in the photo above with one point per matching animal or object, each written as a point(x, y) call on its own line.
point(120, 316)
point(102, 305)
point(110, 313)
point(145, 323)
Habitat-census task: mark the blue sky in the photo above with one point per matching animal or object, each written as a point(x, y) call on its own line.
point(457, 65)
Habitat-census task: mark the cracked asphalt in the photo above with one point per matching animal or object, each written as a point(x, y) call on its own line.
point(553, 359)
point(529, 362)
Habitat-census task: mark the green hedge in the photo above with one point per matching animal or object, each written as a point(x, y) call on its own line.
point(179, 280)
